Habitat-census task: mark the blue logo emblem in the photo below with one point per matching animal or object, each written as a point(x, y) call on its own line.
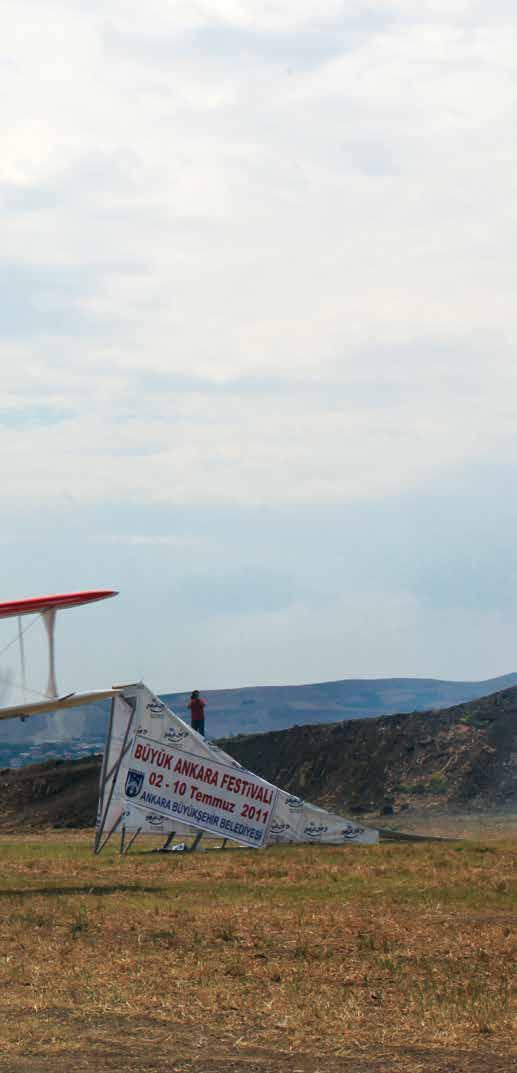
point(175, 736)
point(315, 831)
point(134, 782)
point(279, 828)
point(294, 802)
point(351, 831)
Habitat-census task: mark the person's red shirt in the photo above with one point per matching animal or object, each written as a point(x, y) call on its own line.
point(197, 709)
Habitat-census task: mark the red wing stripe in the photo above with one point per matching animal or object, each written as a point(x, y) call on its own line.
point(36, 604)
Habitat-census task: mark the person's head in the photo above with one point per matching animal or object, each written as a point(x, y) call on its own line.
point(195, 694)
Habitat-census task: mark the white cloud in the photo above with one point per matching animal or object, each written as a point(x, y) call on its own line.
point(223, 448)
point(237, 191)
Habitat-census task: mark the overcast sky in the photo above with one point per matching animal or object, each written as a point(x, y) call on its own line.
point(257, 336)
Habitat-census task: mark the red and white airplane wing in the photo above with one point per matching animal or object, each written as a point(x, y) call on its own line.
point(47, 607)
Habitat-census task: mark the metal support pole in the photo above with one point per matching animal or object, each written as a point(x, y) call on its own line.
point(131, 703)
point(108, 836)
point(104, 776)
point(49, 620)
point(196, 842)
point(22, 659)
point(131, 840)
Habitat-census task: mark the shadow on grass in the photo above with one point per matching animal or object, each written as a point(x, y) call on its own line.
point(114, 888)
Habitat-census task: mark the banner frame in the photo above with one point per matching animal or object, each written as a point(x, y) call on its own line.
point(293, 821)
point(113, 773)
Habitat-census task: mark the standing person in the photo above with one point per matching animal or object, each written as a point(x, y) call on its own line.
point(197, 712)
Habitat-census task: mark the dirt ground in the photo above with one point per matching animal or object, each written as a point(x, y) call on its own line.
point(180, 1054)
point(396, 958)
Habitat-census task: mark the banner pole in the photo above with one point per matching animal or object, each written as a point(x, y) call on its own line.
point(131, 840)
point(196, 842)
point(109, 834)
point(102, 781)
point(131, 703)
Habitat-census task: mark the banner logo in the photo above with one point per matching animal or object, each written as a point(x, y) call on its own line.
point(315, 830)
point(175, 736)
point(155, 707)
point(134, 783)
point(154, 820)
point(294, 802)
point(351, 831)
point(279, 828)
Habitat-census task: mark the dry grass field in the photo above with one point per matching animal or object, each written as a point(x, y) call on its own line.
point(389, 959)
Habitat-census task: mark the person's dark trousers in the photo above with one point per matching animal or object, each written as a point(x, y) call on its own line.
point(199, 725)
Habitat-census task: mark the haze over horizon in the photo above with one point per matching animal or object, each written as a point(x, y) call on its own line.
point(256, 341)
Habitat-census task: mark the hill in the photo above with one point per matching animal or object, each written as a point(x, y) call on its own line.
point(461, 757)
point(57, 793)
point(464, 756)
point(263, 708)
point(257, 709)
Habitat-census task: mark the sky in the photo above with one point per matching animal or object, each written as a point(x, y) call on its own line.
point(257, 337)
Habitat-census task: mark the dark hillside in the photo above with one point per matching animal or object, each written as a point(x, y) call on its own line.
point(54, 794)
point(461, 756)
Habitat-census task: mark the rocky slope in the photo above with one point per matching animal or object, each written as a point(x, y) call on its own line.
point(463, 757)
point(53, 794)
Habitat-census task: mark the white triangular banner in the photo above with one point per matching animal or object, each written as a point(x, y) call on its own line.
point(161, 776)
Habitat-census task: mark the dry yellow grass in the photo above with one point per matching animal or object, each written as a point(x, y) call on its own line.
point(389, 958)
